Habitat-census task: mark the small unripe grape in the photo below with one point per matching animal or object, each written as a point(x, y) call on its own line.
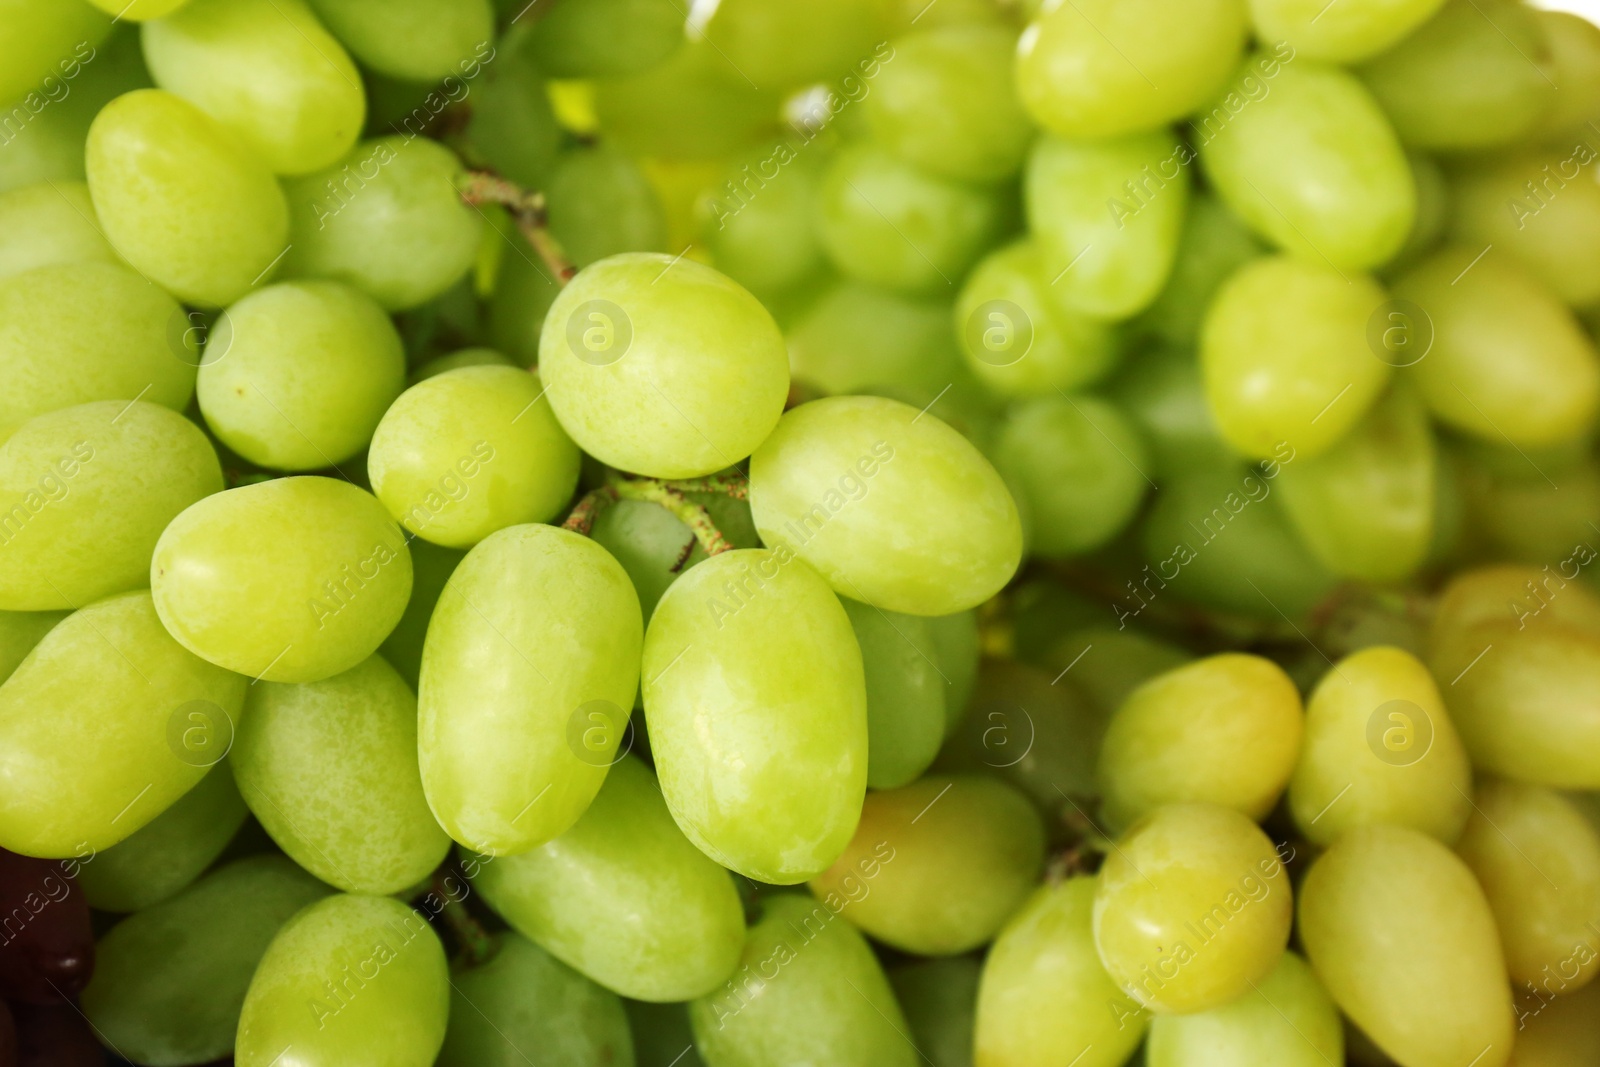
point(1341, 33)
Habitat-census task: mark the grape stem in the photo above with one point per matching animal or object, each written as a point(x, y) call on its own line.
point(477, 947)
point(528, 209)
point(672, 495)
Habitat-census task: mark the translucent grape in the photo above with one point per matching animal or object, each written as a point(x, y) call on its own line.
point(418, 40)
point(1342, 34)
point(778, 45)
point(605, 38)
point(40, 37)
point(759, 222)
point(1286, 1019)
point(601, 203)
point(694, 105)
point(47, 224)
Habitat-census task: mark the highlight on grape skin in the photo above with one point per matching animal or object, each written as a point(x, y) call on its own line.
point(761, 533)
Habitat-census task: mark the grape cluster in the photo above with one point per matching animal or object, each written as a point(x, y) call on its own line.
point(854, 533)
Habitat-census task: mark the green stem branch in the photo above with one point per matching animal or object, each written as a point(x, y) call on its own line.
point(528, 209)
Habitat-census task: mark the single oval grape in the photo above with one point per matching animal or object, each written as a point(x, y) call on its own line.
point(417, 40)
point(601, 203)
point(1287, 1019)
point(760, 220)
point(47, 224)
point(38, 37)
point(606, 38)
point(906, 693)
point(692, 106)
point(1345, 33)
point(777, 45)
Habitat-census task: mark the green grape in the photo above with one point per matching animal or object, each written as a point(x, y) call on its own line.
point(39, 39)
point(1224, 730)
point(601, 203)
point(139, 10)
point(904, 14)
point(1286, 359)
point(937, 875)
point(790, 1001)
point(431, 567)
point(523, 1001)
point(759, 222)
point(1560, 1031)
point(462, 357)
point(622, 896)
point(1106, 217)
point(1081, 466)
point(692, 106)
point(1193, 907)
point(946, 103)
point(1123, 659)
point(939, 999)
point(87, 491)
point(523, 293)
point(1574, 44)
point(654, 547)
point(1286, 1020)
point(955, 640)
point(1434, 210)
point(662, 1036)
point(779, 45)
point(386, 219)
point(1105, 68)
point(417, 40)
point(1474, 76)
point(1044, 996)
point(606, 38)
point(1160, 390)
point(886, 222)
point(349, 979)
point(268, 71)
point(1365, 507)
point(940, 535)
point(1507, 362)
point(169, 982)
point(470, 452)
point(662, 367)
point(1304, 155)
point(47, 224)
point(183, 200)
point(77, 332)
point(1017, 338)
point(856, 337)
point(1515, 512)
point(101, 765)
point(1214, 245)
point(513, 128)
point(316, 565)
point(758, 717)
point(1354, 30)
point(20, 631)
point(171, 851)
point(1405, 943)
point(1538, 860)
point(906, 693)
point(1379, 749)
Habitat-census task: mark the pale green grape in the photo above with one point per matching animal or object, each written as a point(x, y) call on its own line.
point(85, 493)
point(1305, 156)
point(692, 106)
point(654, 547)
point(1224, 730)
point(20, 631)
point(856, 337)
point(791, 1001)
point(622, 896)
point(1108, 664)
point(171, 851)
point(522, 711)
point(182, 199)
point(295, 376)
point(1017, 338)
point(757, 708)
point(605, 38)
point(1044, 996)
point(268, 71)
point(937, 867)
point(1161, 391)
point(1507, 361)
point(139, 10)
point(387, 220)
point(1405, 943)
point(759, 220)
point(169, 982)
point(47, 224)
point(1559, 1031)
point(1103, 68)
point(1081, 467)
point(1106, 217)
point(431, 567)
point(1574, 44)
point(1349, 31)
point(76, 332)
point(464, 357)
point(926, 526)
point(1434, 209)
point(101, 765)
point(523, 999)
point(419, 40)
point(778, 45)
point(40, 38)
point(1379, 748)
point(940, 1000)
point(469, 452)
point(662, 367)
point(1193, 907)
point(348, 980)
point(601, 203)
point(513, 129)
point(955, 648)
point(1214, 245)
point(315, 565)
point(1538, 860)
point(1365, 507)
point(886, 222)
point(906, 693)
point(1286, 359)
point(1286, 1020)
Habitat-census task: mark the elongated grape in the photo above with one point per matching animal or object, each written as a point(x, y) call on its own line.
point(524, 999)
point(692, 106)
point(101, 765)
point(182, 199)
point(1350, 32)
point(20, 631)
point(623, 897)
point(1193, 907)
point(1214, 245)
point(350, 979)
point(906, 693)
point(49, 223)
point(316, 565)
point(589, 38)
point(757, 708)
point(38, 37)
point(171, 851)
point(1287, 1019)
point(1044, 996)
point(169, 982)
point(784, 1003)
point(1106, 217)
point(776, 45)
point(1405, 943)
point(418, 40)
point(72, 333)
point(655, 548)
